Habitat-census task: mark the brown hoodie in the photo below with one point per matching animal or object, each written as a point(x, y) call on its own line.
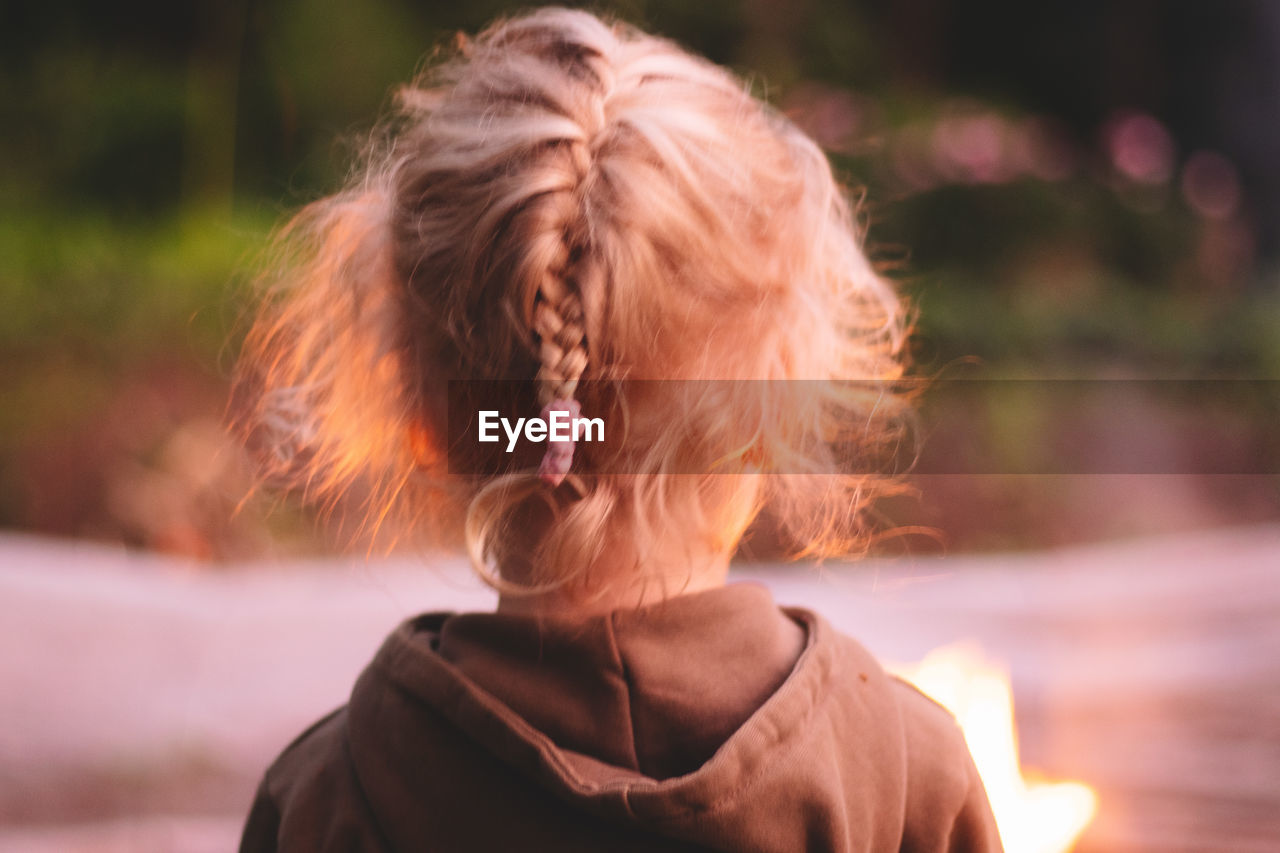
point(709, 721)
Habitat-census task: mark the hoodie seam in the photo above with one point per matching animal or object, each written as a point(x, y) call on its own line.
point(384, 842)
point(624, 672)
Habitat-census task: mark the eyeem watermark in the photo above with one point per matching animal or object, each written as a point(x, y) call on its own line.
point(558, 427)
point(962, 426)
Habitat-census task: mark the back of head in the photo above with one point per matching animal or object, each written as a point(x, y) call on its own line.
point(572, 202)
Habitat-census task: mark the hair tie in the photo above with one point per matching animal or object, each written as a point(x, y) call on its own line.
point(559, 456)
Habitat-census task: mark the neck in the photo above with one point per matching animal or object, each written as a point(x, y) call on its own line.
point(662, 575)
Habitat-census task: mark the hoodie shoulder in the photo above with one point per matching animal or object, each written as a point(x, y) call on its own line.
point(309, 798)
point(947, 808)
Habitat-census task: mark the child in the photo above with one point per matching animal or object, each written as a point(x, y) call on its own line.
point(571, 206)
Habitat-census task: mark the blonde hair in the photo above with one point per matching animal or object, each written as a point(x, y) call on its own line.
point(562, 199)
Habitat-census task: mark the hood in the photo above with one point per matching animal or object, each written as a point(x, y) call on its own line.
point(717, 719)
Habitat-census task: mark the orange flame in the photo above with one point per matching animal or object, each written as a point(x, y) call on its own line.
point(1033, 817)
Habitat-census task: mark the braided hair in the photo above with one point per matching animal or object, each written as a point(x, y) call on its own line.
point(565, 199)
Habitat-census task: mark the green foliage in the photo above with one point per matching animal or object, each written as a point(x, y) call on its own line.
point(118, 289)
point(147, 168)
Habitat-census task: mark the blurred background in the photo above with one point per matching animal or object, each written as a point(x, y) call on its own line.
point(1076, 190)
point(1064, 189)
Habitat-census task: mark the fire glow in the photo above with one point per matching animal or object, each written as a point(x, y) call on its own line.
point(1033, 816)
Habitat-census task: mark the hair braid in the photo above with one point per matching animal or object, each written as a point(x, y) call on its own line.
point(559, 322)
point(562, 343)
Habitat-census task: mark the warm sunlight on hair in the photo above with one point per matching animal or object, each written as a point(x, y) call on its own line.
point(568, 199)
